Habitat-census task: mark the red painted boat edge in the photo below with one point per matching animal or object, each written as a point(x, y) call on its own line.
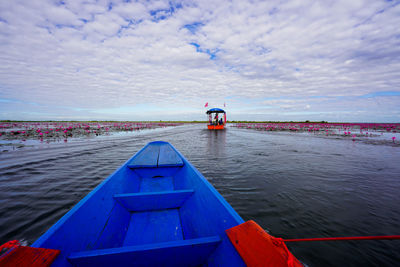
point(258, 248)
point(16, 255)
point(216, 127)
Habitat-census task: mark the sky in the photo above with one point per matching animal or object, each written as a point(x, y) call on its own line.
point(331, 60)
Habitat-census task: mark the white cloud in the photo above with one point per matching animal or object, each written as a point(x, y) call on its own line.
point(96, 55)
point(132, 11)
point(60, 15)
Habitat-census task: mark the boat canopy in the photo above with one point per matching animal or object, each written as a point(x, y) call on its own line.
point(215, 110)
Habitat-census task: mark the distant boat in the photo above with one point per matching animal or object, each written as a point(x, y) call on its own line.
point(214, 121)
point(155, 210)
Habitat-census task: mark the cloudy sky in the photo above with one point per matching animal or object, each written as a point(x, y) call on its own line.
point(163, 60)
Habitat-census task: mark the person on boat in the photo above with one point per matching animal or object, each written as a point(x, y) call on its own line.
point(216, 119)
point(220, 121)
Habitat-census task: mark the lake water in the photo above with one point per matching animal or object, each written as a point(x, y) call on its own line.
point(294, 185)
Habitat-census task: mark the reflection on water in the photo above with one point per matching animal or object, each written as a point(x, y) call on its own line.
point(293, 185)
point(216, 142)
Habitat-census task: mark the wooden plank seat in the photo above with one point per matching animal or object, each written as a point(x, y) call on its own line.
point(168, 157)
point(191, 252)
point(158, 154)
point(148, 201)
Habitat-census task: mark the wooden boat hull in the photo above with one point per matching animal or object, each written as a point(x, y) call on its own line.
point(155, 210)
point(216, 127)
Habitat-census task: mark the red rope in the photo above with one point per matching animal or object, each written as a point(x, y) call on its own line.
point(381, 237)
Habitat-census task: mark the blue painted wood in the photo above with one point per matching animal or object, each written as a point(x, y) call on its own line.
point(154, 227)
point(168, 157)
point(81, 227)
point(100, 221)
point(157, 183)
point(114, 231)
point(148, 201)
point(159, 154)
point(147, 158)
point(192, 252)
point(212, 214)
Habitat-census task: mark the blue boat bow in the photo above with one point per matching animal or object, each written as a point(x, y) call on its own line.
point(155, 210)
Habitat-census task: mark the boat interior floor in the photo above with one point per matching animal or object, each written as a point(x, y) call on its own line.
point(147, 224)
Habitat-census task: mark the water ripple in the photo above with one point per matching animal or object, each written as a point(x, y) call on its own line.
point(292, 185)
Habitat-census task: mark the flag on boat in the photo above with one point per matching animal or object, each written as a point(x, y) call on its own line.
point(224, 104)
point(206, 105)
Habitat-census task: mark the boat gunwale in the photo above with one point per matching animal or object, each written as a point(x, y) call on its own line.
point(223, 201)
point(50, 231)
point(60, 222)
